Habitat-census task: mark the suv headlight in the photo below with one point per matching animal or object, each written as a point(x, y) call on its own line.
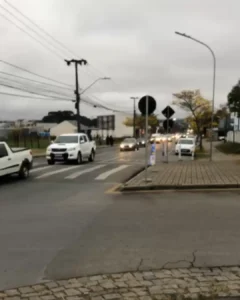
point(49, 149)
point(71, 149)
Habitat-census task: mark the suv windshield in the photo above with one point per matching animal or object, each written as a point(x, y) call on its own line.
point(186, 142)
point(67, 139)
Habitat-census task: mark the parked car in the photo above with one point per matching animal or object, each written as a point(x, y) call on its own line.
point(71, 147)
point(187, 146)
point(15, 161)
point(129, 144)
point(141, 142)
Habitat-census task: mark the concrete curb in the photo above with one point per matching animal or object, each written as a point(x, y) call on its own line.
point(186, 187)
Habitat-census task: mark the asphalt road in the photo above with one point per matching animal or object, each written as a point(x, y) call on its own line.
point(56, 227)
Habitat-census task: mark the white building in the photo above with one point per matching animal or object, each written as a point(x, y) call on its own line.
point(65, 127)
point(121, 130)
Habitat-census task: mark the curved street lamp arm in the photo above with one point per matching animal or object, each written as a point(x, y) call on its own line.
point(214, 80)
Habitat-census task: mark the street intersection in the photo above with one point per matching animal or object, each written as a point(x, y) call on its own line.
point(61, 223)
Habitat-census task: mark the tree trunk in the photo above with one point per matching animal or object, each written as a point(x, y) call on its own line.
point(200, 142)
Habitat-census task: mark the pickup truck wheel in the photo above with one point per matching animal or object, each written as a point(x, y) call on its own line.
point(24, 171)
point(92, 156)
point(79, 159)
point(51, 162)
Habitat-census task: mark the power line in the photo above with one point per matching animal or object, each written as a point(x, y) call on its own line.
point(97, 103)
point(33, 88)
point(51, 37)
point(31, 92)
point(30, 72)
point(55, 40)
point(39, 82)
point(40, 28)
point(56, 54)
point(23, 96)
point(50, 97)
point(66, 49)
point(27, 26)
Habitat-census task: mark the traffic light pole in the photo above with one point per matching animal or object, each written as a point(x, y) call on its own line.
point(167, 139)
point(134, 115)
point(146, 140)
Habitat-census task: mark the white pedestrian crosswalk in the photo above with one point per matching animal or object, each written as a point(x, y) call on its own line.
point(108, 173)
point(57, 171)
point(98, 172)
point(79, 173)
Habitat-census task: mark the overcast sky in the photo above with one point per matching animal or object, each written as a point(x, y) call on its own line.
point(131, 41)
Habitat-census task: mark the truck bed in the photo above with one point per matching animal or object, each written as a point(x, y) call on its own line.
point(16, 150)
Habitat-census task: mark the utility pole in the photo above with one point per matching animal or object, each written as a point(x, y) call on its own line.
point(134, 114)
point(77, 104)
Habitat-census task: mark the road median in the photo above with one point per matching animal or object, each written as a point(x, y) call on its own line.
point(186, 175)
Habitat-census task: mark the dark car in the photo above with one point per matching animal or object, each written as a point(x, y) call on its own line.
point(141, 142)
point(129, 144)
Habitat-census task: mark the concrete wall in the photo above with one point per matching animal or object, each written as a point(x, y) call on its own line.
point(231, 138)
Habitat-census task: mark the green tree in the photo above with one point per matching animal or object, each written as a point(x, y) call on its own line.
point(199, 108)
point(140, 122)
point(234, 99)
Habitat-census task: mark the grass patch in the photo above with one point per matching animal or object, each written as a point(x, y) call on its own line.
point(229, 148)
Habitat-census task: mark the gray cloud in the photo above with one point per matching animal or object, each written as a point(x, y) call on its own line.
point(132, 41)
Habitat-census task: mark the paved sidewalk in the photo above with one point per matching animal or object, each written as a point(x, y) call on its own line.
point(187, 175)
point(190, 283)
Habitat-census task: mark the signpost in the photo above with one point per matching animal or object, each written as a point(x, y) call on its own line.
point(169, 125)
point(168, 112)
point(147, 106)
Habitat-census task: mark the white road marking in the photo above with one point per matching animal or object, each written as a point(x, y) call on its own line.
point(40, 169)
point(108, 173)
point(79, 173)
point(57, 172)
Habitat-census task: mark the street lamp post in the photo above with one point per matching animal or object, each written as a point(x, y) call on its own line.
point(213, 85)
point(134, 114)
point(101, 78)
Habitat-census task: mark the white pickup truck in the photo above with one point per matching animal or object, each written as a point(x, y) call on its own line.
point(15, 161)
point(71, 147)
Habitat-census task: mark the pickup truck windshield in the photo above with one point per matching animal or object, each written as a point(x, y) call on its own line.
point(67, 139)
point(186, 142)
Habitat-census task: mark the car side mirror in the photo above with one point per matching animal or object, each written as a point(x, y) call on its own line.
point(81, 142)
point(52, 142)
